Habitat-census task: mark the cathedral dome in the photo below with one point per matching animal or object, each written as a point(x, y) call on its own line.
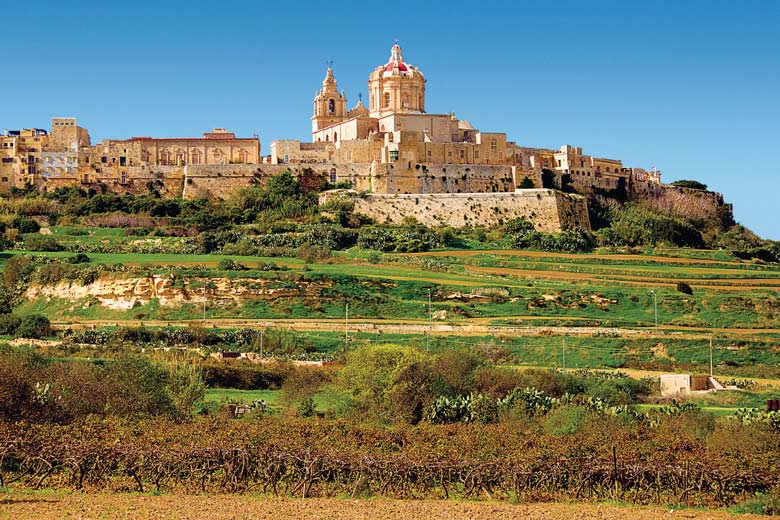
point(396, 63)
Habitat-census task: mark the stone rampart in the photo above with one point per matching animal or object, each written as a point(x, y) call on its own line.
point(548, 210)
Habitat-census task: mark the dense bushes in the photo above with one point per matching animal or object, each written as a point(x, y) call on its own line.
point(636, 225)
point(570, 241)
point(35, 389)
point(246, 376)
point(684, 183)
point(410, 238)
point(33, 326)
point(397, 383)
point(281, 197)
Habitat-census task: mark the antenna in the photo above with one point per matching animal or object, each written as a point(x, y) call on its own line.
point(360, 96)
point(329, 62)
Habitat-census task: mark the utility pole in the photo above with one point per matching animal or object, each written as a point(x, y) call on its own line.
point(430, 324)
point(346, 329)
point(563, 351)
point(711, 374)
point(655, 306)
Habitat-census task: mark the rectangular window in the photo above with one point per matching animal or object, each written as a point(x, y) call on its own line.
point(5, 179)
point(393, 155)
point(124, 178)
point(122, 161)
point(462, 154)
point(476, 154)
point(286, 158)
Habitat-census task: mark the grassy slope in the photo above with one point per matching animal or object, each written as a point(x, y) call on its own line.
point(602, 289)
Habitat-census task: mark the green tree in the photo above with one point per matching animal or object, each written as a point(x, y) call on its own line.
point(391, 382)
point(526, 183)
point(34, 326)
point(187, 387)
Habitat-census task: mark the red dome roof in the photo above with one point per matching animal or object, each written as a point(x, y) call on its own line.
point(396, 61)
point(401, 66)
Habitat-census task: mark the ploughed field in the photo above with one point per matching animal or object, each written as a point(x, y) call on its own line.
point(56, 506)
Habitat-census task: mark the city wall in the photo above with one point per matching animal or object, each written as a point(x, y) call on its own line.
point(548, 210)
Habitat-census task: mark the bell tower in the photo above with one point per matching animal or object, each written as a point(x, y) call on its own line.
point(330, 105)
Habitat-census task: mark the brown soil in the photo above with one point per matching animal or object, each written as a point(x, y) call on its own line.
point(235, 507)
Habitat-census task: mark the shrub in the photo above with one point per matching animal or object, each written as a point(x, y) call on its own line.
point(638, 225)
point(9, 323)
point(245, 376)
point(526, 183)
point(27, 225)
point(187, 387)
point(391, 382)
point(51, 273)
point(79, 258)
point(33, 326)
point(228, 264)
point(684, 183)
point(42, 243)
point(684, 288)
point(570, 240)
point(565, 420)
point(518, 225)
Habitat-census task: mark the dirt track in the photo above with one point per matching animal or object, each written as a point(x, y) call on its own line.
point(235, 507)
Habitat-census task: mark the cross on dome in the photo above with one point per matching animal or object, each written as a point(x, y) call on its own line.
point(396, 61)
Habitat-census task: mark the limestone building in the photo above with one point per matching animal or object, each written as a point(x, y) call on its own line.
point(395, 146)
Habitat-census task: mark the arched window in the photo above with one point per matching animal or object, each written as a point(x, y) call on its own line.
point(319, 139)
point(387, 99)
point(335, 136)
point(390, 137)
point(331, 106)
point(327, 138)
point(333, 175)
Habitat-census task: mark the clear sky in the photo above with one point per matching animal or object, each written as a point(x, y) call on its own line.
point(688, 86)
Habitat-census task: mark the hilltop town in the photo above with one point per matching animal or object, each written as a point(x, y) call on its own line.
point(393, 146)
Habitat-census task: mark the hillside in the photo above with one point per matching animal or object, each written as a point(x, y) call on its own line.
point(340, 356)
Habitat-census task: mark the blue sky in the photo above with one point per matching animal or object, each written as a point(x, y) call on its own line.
point(688, 86)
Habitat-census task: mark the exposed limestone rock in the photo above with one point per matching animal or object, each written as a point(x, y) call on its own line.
point(126, 293)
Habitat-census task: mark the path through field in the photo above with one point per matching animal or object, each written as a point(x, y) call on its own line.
point(235, 507)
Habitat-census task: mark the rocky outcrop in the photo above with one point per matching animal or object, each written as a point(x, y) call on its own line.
point(172, 291)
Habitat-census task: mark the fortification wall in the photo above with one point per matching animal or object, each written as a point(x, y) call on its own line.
point(548, 210)
point(167, 180)
point(401, 177)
